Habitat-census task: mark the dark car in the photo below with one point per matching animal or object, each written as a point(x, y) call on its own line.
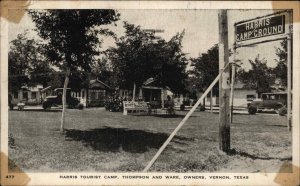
point(270, 101)
point(56, 100)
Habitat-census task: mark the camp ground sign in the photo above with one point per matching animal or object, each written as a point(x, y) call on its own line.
point(260, 28)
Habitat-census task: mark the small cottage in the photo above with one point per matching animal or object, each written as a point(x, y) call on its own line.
point(242, 96)
point(152, 91)
point(31, 95)
point(94, 95)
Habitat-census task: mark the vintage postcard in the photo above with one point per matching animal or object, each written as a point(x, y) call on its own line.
point(150, 92)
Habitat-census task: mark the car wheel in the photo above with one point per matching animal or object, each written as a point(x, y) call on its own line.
point(80, 106)
point(46, 105)
point(71, 106)
point(252, 110)
point(182, 107)
point(282, 111)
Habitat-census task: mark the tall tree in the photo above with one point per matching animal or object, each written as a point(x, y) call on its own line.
point(205, 68)
point(26, 63)
point(71, 38)
point(259, 77)
point(140, 55)
point(281, 68)
point(103, 71)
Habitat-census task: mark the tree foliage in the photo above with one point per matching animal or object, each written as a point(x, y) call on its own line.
point(72, 36)
point(205, 68)
point(103, 71)
point(26, 63)
point(281, 69)
point(259, 77)
point(140, 55)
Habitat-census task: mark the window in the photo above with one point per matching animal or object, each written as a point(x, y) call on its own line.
point(101, 95)
point(250, 97)
point(272, 97)
point(93, 95)
point(33, 95)
point(25, 95)
point(16, 95)
point(125, 93)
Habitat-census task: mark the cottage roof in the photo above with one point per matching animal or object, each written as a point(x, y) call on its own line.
point(151, 83)
point(35, 88)
point(95, 81)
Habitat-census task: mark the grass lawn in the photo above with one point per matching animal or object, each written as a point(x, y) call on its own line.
point(97, 140)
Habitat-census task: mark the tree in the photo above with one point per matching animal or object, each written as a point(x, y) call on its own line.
point(280, 70)
point(27, 65)
point(71, 38)
point(103, 71)
point(173, 64)
point(140, 55)
point(259, 77)
point(205, 68)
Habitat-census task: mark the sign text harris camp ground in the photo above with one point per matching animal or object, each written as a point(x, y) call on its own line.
point(261, 27)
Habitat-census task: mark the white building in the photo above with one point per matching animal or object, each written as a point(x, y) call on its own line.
point(31, 95)
point(242, 96)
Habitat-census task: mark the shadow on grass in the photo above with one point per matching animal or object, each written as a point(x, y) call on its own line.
point(277, 126)
point(254, 157)
point(118, 139)
point(37, 110)
point(165, 115)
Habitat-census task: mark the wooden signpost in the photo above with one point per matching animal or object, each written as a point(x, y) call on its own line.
point(272, 27)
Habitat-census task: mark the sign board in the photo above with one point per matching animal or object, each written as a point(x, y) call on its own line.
point(260, 28)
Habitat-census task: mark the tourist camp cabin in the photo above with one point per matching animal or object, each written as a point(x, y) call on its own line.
point(31, 95)
point(242, 96)
point(94, 95)
point(150, 91)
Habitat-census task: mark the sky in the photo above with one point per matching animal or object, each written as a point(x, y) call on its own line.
point(201, 30)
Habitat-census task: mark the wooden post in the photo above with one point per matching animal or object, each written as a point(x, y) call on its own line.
point(162, 98)
point(232, 85)
point(289, 73)
point(224, 88)
point(211, 105)
point(133, 94)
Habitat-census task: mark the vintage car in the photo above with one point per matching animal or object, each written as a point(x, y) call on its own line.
point(269, 101)
point(56, 100)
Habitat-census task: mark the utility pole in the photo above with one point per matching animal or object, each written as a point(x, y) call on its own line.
point(224, 87)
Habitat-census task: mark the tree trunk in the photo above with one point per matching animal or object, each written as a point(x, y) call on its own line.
point(62, 123)
point(211, 99)
point(133, 96)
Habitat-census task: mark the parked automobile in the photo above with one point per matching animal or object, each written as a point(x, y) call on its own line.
point(56, 100)
point(270, 101)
